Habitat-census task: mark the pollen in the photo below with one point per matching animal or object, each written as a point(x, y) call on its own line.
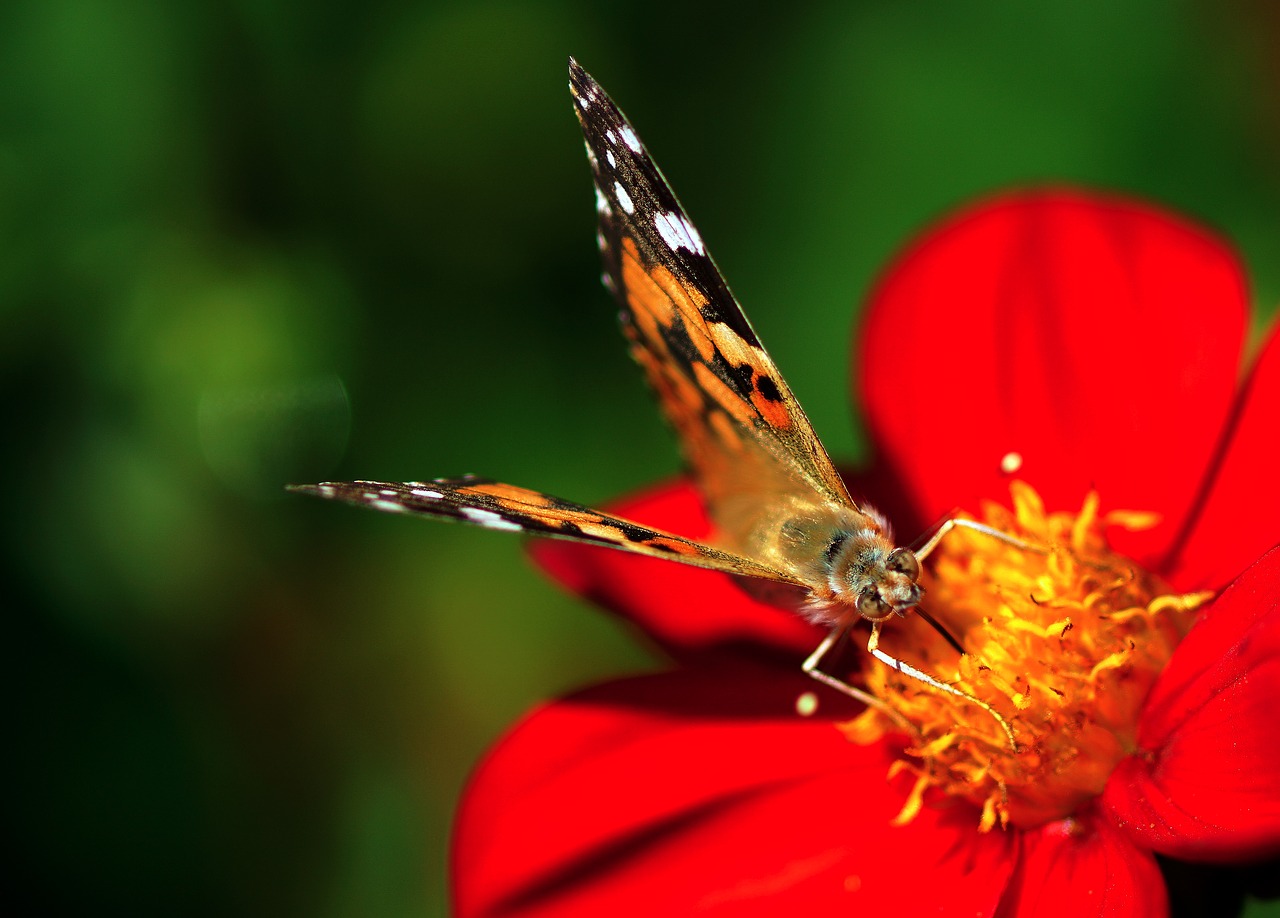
point(1063, 639)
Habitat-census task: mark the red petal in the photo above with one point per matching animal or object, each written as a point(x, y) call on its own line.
point(1096, 337)
point(705, 791)
point(685, 609)
point(1241, 517)
point(1084, 867)
point(1206, 785)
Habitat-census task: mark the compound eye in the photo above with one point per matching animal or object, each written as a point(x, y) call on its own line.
point(903, 560)
point(871, 606)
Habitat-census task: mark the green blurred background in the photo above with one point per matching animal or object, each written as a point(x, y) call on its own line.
point(248, 243)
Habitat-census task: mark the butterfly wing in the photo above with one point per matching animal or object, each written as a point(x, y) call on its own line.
point(747, 442)
point(493, 505)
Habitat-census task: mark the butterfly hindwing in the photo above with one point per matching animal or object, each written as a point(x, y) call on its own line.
point(494, 505)
point(744, 436)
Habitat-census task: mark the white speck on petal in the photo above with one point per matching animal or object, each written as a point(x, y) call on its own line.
point(1011, 462)
point(807, 704)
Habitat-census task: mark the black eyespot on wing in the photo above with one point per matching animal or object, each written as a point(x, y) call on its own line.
point(768, 388)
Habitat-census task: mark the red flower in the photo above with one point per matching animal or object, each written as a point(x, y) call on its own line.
point(1098, 341)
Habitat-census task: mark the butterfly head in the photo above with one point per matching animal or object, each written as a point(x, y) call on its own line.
point(870, 574)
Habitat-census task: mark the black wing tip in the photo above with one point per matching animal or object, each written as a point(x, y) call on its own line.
point(588, 94)
point(330, 488)
point(326, 490)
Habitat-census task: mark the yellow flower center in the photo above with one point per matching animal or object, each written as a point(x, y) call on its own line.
point(1063, 641)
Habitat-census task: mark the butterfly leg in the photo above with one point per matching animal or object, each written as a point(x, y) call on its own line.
point(873, 648)
point(811, 668)
point(924, 551)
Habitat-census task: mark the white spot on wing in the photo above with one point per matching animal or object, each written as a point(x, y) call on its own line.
point(489, 519)
point(624, 199)
point(678, 233)
point(602, 203)
point(389, 505)
point(629, 137)
point(613, 163)
point(423, 492)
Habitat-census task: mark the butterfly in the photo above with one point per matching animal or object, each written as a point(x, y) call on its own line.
point(781, 512)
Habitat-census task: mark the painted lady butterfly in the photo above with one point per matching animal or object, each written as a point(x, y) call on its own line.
point(781, 512)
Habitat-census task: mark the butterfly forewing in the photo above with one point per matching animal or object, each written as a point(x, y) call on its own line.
point(745, 438)
point(494, 505)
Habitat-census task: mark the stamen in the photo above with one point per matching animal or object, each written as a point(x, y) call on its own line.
point(1064, 639)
